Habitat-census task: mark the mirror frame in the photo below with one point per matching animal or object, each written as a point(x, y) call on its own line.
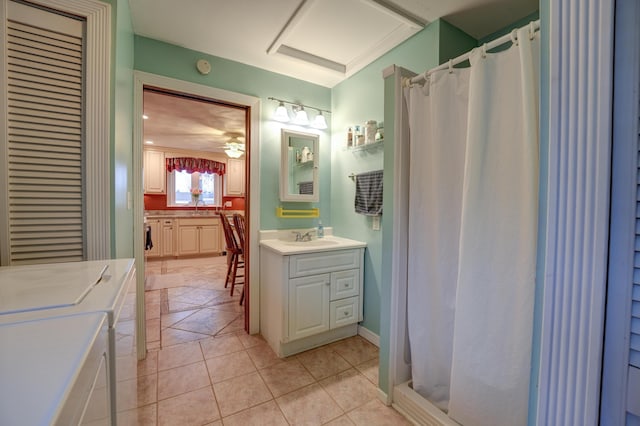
point(285, 193)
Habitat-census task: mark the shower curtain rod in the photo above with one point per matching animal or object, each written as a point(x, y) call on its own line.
point(511, 37)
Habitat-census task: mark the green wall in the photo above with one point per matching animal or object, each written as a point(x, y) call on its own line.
point(121, 128)
point(172, 61)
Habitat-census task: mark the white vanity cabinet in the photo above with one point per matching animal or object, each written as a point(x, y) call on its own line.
point(310, 299)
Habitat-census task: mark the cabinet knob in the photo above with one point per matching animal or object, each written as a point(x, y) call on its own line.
point(346, 314)
point(327, 283)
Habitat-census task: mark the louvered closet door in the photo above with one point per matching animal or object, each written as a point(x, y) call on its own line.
point(620, 402)
point(45, 132)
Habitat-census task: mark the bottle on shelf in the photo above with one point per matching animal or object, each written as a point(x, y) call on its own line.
point(320, 232)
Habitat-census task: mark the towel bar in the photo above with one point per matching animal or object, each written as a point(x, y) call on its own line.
point(301, 213)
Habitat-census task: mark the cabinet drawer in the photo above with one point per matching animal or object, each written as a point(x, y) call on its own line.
point(343, 312)
point(323, 262)
point(345, 284)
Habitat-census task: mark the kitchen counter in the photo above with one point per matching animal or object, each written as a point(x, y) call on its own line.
point(181, 214)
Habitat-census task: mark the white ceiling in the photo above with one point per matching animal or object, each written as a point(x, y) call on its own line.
point(196, 125)
point(320, 41)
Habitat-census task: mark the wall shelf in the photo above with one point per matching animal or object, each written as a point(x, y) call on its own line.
point(366, 147)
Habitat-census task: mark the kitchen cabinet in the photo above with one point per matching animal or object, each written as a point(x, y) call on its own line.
point(310, 299)
point(154, 172)
point(235, 177)
point(168, 244)
point(198, 236)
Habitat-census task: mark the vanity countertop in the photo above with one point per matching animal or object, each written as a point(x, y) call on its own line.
point(288, 247)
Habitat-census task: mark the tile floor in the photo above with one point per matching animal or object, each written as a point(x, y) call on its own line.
point(203, 369)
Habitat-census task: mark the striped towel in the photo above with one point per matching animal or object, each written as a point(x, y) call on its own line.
point(369, 193)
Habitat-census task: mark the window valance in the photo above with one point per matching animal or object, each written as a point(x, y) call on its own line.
point(191, 165)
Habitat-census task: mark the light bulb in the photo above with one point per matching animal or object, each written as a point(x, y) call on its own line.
point(319, 122)
point(281, 113)
point(301, 117)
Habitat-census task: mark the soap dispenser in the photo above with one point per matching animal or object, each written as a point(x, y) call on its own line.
point(320, 232)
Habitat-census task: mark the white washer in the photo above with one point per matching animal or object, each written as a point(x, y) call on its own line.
point(36, 292)
point(54, 371)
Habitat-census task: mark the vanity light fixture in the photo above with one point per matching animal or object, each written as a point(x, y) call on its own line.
point(301, 117)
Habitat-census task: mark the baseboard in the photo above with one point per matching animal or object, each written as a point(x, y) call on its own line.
point(382, 396)
point(369, 335)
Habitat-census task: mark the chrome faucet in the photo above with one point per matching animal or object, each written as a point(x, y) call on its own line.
point(199, 201)
point(303, 237)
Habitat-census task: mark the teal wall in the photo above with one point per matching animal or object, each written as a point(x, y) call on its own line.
point(354, 101)
point(172, 61)
point(121, 128)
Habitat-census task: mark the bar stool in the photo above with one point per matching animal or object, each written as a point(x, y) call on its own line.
point(237, 258)
point(238, 221)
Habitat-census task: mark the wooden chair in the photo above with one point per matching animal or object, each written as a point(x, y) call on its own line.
point(236, 260)
point(238, 221)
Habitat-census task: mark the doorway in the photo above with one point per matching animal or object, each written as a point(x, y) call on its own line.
point(252, 196)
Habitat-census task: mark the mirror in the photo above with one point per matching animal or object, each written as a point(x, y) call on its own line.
point(299, 166)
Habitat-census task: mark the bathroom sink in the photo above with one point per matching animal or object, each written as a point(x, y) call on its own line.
point(312, 243)
point(286, 246)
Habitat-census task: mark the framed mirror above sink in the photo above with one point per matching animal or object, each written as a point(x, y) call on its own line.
point(299, 167)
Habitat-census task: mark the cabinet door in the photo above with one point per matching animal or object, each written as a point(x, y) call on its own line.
point(167, 238)
point(235, 177)
point(309, 305)
point(209, 239)
point(156, 238)
point(154, 172)
point(188, 240)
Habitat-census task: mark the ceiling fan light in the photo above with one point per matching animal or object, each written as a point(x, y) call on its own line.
point(281, 113)
point(301, 117)
point(233, 153)
point(319, 122)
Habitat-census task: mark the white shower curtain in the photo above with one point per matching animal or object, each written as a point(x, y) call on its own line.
point(437, 145)
point(487, 329)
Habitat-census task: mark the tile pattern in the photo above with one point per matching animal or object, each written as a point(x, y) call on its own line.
point(203, 369)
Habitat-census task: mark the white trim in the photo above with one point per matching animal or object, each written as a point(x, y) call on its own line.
point(383, 397)
point(140, 80)
point(399, 367)
point(369, 335)
point(623, 211)
point(580, 61)
point(97, 122)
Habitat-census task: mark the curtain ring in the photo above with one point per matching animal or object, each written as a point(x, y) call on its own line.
point(532, 30)
point(514, 37)
point(450, 66)
point(484, 50)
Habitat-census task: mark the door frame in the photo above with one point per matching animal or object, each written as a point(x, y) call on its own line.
point(142, 79)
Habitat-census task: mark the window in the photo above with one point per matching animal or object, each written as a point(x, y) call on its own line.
point(180, 183)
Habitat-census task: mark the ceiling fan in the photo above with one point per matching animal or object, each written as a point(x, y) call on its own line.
point(234, 148)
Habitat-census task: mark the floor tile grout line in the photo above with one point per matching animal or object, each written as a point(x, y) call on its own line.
point(213, 390)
